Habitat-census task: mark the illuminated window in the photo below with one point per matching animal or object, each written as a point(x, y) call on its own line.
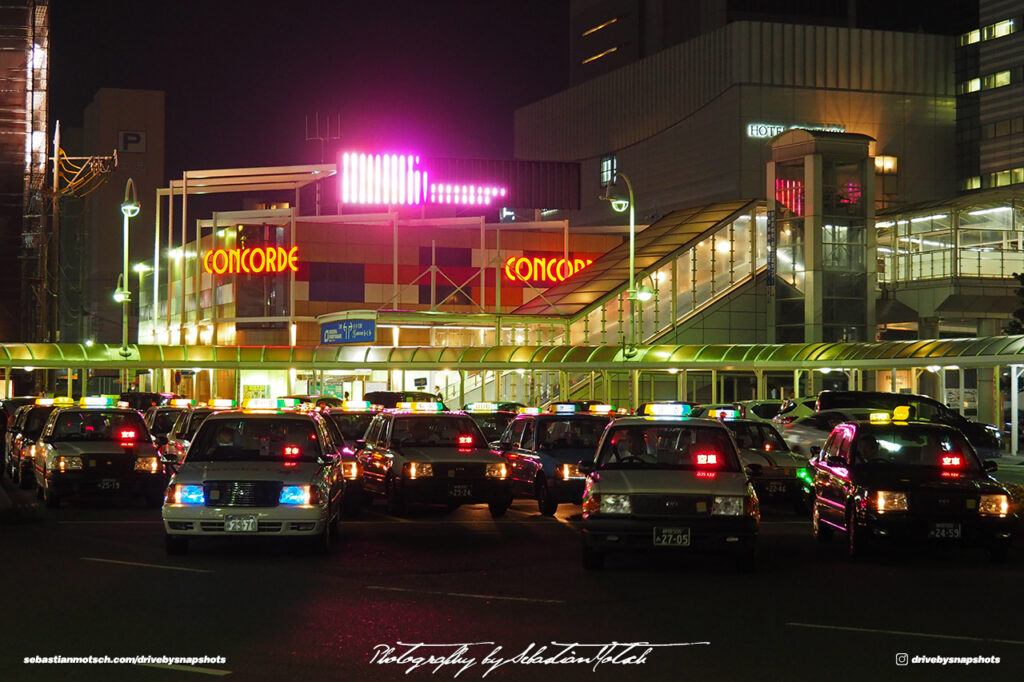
point(599, 55)
point(972, 85)
point(608, 169)
point(995, 80)
point(970, 37)
point(972, 183)
point(990, 32)
point(597, 28)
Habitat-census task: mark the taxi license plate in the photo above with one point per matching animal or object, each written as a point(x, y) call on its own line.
point(672, 537)
point(460, 491)
point(944, 531)
point(109, 484)
point(240, 524)
point(776, 487)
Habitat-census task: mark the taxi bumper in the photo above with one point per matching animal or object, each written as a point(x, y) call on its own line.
point(566, 490)
point(80, 483)
point(637, 533)
point(284, 520)
point(916, 529)
point(449, 490)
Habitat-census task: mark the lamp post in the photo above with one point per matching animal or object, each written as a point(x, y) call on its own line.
point(129, 209)
point(634, 294)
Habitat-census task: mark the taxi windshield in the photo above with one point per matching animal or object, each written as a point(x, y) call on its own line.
point(256, 440)
point(163, 420)
point(35, 420)
point(457, 432)
point(912, 447)
point(94, 425)
point(753, 436)
point(570, 434)
point(193, 422)
point(352, 424)
point(492, 423)
point(662, 446)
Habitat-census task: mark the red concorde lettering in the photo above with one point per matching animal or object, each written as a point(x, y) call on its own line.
point(267, 259)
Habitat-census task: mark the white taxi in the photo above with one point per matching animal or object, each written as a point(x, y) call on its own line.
point(257, 472)
point(668, 482)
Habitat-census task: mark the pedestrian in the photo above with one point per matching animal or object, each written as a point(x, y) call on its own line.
point(437, 394)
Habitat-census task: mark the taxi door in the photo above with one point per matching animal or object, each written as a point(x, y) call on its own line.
point(832, 477)
point(374, 457)
point(526, 462)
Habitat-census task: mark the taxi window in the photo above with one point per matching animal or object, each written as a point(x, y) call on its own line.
point(527, 442)
point(912, 447)
point(492, 423)
point(686, 447)
point(372, 436)
point(195, 420)
point(353, 425)
point(248, 439)
point(752, 436)
point(35, 419)
point(569, 434)
point(423, 431)
point(163, 421)
point(514, 433)
point(98, 425)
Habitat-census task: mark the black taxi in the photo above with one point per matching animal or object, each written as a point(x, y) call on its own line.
point(97, 449)
point(543, 451)
point(893, 479)
point(492, 418)
point(420, 453)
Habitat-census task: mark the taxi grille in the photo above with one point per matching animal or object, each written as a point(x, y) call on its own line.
point(460, 470)
point(671, 505)
point(242, 493)
point(113, 464)
point(939, 503)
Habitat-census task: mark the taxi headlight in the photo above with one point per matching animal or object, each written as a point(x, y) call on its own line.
point(350, 470)
point(295, 494)
point(497, 470)
point(185, 494)
point(148, 464)
point(30, 452)
point(616, 504)
point(727, 506)
point(994, 505)
point(418, 470)
point(71, 463)
point(888, 501)
point(570, 471)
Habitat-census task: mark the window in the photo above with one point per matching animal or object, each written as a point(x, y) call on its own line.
point(990, 32)
point(609, 168)
point(527, 443)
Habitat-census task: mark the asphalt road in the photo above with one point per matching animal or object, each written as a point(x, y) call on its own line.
point(93, 579)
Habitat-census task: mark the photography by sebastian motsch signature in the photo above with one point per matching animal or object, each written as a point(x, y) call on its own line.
point(458, 657)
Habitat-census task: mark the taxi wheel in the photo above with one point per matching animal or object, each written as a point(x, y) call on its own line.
point(51, 499)
point(593, 559)
point(545, 504)
point(396, 505)
point(822, 531)
point(175, 545)
point(857, 540)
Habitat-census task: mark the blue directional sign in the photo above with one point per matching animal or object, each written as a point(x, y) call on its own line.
point(349, 331)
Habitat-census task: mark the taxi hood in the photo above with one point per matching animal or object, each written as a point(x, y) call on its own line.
point(199, 472)
point(668, 482)
point(774, 458)
point(448, 454)
point(897, 478)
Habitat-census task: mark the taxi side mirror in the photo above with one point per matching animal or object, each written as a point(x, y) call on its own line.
point(496, 445)
point(753, 470)
point(586, 467)
point(990, 465)
point(160, 441)
point(815, 450)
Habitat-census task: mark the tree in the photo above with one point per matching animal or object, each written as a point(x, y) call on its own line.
point(1016, 325)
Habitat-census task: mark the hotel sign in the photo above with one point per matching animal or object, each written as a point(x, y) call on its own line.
point(772, 129)
point(348, 331)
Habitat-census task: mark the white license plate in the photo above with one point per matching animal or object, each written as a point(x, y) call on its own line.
point(240, 524)
point(109, 484)
point(672, 537)
point(776, 488)
point(460, 491)
point(945, 530)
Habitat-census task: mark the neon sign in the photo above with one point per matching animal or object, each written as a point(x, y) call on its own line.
point(773, 129)
point(394, 179)
point(266, 259)
point(523, 269)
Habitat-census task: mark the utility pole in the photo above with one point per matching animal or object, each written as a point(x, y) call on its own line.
point(317, 137)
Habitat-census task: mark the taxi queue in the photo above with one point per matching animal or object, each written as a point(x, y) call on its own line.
point(654, 481)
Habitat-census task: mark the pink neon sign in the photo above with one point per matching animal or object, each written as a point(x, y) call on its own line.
point(394, 179)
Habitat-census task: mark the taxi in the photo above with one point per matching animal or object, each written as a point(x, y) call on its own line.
point(187, 423)
point(348, 414)
point(420, 453)
point(96, 449)
point(668, 481)
point(27, 423)
point(259, 472)
point(778, 473)
point(160, 418)
point(544, 449)
point(491, 418)
point(890, 479)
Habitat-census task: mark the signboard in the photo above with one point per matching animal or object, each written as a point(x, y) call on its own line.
point(420, 383)
point(772, 246)
point(773, 129)
point(395, 179)
point(271, 259)
point(538, 269)
point(348, 331)
point(133, 141)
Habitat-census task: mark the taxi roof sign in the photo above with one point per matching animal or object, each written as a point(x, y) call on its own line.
point(354, 405)
point(667, 410)
point(602, 409)
point(181, 402)
point(879, 418)
point(724, 414)
point(562, 408)
point(44, 401)
point(482, 407)
point(421, 407)
point(96, 401)
point(222, 402)
point(902, 413)
point(528, 410)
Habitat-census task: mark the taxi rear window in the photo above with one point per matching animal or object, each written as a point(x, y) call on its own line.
point(436, 432)
point(35, 420)
point(752, 436)
point(256, 440)
point(194, 421)
point(352, 424)
point(685, 447)
point(493, 424)
point(910, 447)
point(570, 434)
point(98, 425)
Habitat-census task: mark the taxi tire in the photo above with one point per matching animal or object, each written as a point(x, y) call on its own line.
point(50, 499)
point(593, 559)
point(175, 546)
point(856, 539)
point(822, 531)
point(395, 502)
point(545, 504)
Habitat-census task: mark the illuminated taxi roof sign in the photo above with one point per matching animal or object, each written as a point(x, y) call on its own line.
point(880, 418)
point(482, 407)
point(902, 413)
point(529, 410)
point(182, 402)
point(562, 408)
point(667, 410)
point(222, 403)
point(601, 409)
point(44, 401)
point(421, 407)
point(724, 414)
point(356, 405)
point(96, 401)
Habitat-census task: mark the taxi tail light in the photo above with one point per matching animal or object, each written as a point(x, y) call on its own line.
point(148, 464)
point(767, 447)
point(787, 420)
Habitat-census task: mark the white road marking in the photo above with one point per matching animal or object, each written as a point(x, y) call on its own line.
point(188, 669)
point(135, 563)
point(466, 594)
point(905, 634)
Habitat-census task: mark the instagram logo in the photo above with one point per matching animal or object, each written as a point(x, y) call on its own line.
point(901, 659)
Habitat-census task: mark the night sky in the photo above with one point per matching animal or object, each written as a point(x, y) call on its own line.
point(439, 77)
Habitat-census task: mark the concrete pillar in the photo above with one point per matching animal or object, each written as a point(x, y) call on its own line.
point(989, 400)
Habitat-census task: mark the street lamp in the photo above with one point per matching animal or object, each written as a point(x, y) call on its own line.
point(129, 209)
point(634, 293)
